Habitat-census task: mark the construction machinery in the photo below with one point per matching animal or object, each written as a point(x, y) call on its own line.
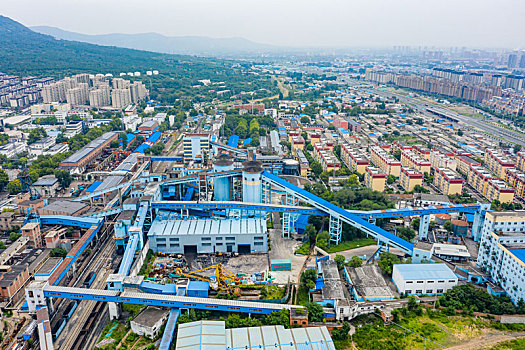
point(222, 281)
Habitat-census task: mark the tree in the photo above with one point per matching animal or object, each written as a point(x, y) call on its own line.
point(355, 261)
point(322, 239)
point(58, 252)
point(415, 223)
point(390, 179)
point(311, 232)
point(13, 236)
point(14, 187)
point(448, 226)
point(316, 168)
point(309, 275)
point(460, 132)
point(406, 233)
point(340, 261)
point(305, 120)
point(4, 179)
point(35, 135)
point(63, 177)
point(315, 312)
point(387, 261)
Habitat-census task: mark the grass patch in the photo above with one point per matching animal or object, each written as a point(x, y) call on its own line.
point(361, 242)
point(302, 295)
point(133, 309)
point(510, 345)
point(304, 249)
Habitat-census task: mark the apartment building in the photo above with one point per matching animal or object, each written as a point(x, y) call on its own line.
point(100, 97)
point(298, 143)
point(464, 163)
point(478, 177)
point(375, 179)
point(439, 159)
point(448, 181)
point(400, 146)
point(328, 160)
point(502, 251)
point(497, 162)
point(516, 179)
point(411, 159)
point(422, 151)
point(384, 161)
point(354, 159)
point(120, 98)
point(520, 163)
point(409, 178)
point(499, 190)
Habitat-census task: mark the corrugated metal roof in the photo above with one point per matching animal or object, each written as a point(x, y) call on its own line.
point(424, 271)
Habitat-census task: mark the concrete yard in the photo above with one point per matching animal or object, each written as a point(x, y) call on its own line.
point(284, 248)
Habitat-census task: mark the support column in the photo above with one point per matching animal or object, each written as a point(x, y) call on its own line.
point(44, 329)
point(114, 310)
point(336, 229)
point(479, 219)
point(423, 227)
point(289, 218)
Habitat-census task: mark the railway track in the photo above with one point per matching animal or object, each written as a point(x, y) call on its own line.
point(78, 327)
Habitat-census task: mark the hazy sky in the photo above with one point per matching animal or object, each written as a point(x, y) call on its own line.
point(482, 23)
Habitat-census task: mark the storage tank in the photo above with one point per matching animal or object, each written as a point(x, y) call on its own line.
point(442, 218)
point(222, 187)
point(251, 181)
point(460, 228)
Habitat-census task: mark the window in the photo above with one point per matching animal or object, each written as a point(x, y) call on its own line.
point(218, 238)
point(409, 282)
point(161, 239)
point(206, 244)
point(408, 291)
point(174, 239)
point(218, 244)
point(230, 238)
point(419, 291)
point(205, 238)
point(419, 281)
point(430, 291)
point(439, 291)
point(161, 245)
point(258, 238)
point(451, 281)
point(175, 245)
point(441, 281)
point(258, 243)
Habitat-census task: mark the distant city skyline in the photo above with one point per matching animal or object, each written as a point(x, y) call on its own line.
point(293, 23)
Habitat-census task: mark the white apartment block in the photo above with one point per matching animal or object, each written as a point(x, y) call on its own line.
point(502, 251)
point(120, 98)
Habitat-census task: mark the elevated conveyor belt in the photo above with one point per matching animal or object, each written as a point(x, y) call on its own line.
point(165, 300)
point(403, 212)
point(229, 148)
point(169, 330)
point(75, 221)
point(340, 214)
point(177, 205)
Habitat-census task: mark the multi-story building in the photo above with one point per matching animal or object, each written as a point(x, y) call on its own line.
point(497, 162)
point(355, 160)
point(120, 98)
point(100, 97)
point(119, 83)
point(520, 162)
point(516, 179)
point(478, 178)
point(448, 181)
point(422, 151)
point(375, 179)
point(298, 143)
point(196, 146)
point(502, 251)
point(411, 159)
point(409, 178)
point(499, 190)
point(464, 163)
point(439, 159)
point(386, 162)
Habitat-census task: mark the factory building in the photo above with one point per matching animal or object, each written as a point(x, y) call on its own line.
point(172, 235)
point(196, 146)
point(79, 160)
point(198, 335)
point(502, 251)
point(420, 279)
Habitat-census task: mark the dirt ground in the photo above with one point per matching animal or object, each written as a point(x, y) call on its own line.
point(487, 341)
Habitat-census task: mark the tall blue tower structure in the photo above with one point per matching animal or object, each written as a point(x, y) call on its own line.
point(222, 186)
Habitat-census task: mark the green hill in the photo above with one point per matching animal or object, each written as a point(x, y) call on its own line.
point(25, 52)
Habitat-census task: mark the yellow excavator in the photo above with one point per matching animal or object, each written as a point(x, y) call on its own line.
point(223, 281)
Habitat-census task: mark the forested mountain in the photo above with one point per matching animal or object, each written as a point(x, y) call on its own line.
point(25, 52)
point(187, 45)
